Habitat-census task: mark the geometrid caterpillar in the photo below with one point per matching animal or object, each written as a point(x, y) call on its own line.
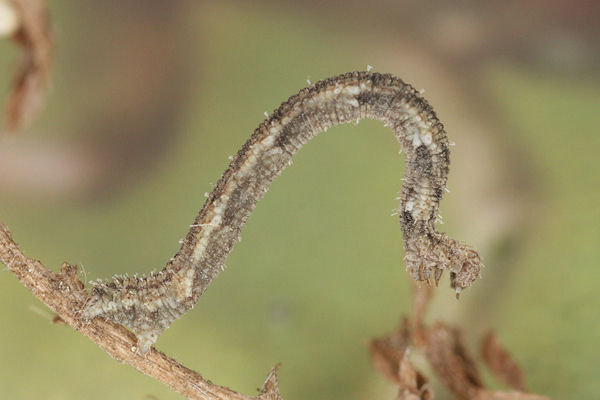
point(149, 304)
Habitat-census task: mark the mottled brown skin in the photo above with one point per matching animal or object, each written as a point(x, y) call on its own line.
point(148, 305)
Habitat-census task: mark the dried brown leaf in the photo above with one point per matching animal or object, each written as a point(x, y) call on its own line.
point(387, 352)
point(501, 363)
point(31, 80)
point(451, 361)
point(413, 385)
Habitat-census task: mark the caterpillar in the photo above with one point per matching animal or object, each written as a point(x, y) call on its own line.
point(149, 304)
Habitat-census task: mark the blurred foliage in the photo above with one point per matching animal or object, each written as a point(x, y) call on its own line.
point(550, 318)
point(328, 216)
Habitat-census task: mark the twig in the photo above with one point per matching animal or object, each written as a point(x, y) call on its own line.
point(32, 78)
point(64, 294)
point(421, 298)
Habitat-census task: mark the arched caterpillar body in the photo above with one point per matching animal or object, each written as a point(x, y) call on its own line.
point(148, 305)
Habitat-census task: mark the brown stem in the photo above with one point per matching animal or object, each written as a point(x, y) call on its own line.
point(65, 294)
point(421, 298)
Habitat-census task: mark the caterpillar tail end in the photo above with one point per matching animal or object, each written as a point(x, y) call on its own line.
point(139, 303)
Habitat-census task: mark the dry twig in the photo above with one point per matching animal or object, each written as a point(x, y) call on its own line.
point(65, 294)
point(32, 78)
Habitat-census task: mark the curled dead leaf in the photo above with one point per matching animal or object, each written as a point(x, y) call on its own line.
point(388, 352)
point(452, 363)
point(500, 363)
point(413, 385)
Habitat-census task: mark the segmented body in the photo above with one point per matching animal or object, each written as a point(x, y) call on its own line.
point(148, 305)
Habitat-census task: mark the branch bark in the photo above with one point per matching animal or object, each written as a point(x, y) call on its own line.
point(65, 294)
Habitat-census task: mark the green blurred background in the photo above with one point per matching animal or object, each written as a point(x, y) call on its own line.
point(150, 97)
